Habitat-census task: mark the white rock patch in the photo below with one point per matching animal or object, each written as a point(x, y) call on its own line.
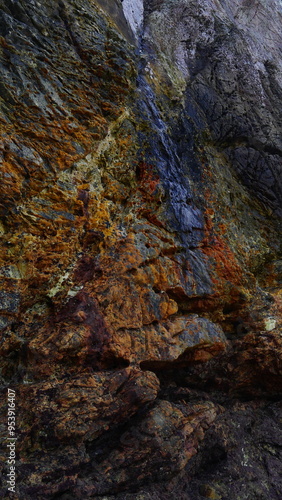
point(134, 13)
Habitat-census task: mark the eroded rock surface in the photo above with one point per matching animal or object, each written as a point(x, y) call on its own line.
point(140, 265)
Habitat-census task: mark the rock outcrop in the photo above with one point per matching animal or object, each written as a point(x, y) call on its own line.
point(140, 265)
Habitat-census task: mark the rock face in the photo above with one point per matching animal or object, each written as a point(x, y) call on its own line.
point(140, 265)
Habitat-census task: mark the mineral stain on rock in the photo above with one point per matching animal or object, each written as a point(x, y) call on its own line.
point(140, 260)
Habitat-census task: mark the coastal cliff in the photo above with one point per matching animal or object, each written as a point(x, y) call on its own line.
point(141, 260)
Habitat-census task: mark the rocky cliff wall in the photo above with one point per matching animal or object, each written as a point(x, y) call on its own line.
point(140, 219)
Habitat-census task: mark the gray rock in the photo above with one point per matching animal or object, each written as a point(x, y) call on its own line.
point(228, 56)
point(9, 301)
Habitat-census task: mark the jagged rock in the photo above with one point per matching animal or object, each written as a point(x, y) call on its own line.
point(61, 416)
point(240, 457)
point(140, 220)
point(153, 449)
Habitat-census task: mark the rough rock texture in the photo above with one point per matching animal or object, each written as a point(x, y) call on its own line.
point(140, 265)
